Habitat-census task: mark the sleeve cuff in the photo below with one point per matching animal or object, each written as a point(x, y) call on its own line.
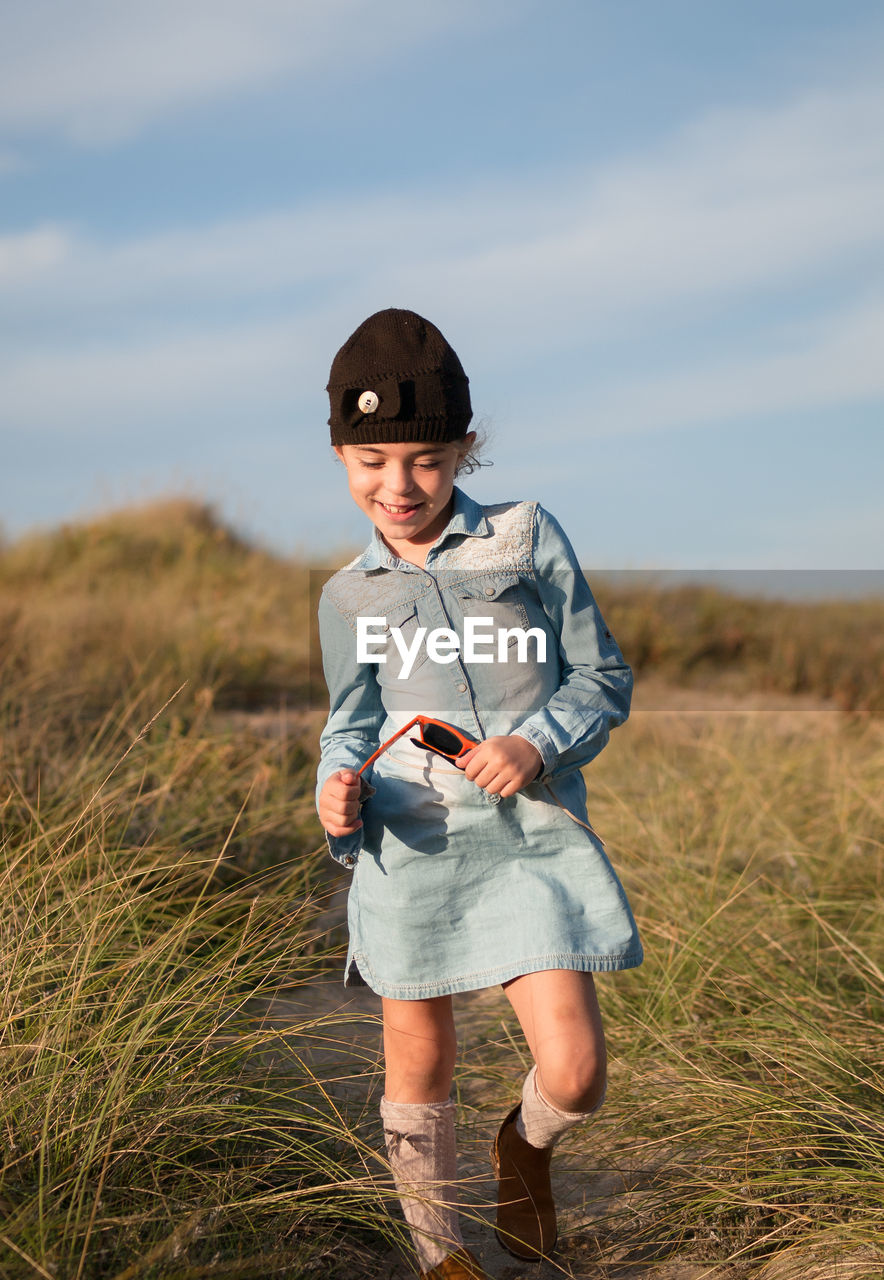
point(346, 849)
point(541, 743)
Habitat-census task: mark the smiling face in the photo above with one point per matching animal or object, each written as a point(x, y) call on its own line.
point(405, 489)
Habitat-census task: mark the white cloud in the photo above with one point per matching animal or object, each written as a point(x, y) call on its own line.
point(87, 390)
point(31, 254)
point(744, 205)
point(835, 361)
point(99, 70)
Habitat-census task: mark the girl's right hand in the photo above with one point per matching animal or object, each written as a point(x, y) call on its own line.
point(339, 800)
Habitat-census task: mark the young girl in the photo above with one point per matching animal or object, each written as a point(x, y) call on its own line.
point(473, 859)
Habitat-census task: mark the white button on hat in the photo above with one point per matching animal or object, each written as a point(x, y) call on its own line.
point(489, 591)
point(368, 402)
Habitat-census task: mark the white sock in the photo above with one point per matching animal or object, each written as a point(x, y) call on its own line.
point(539, 1122)
point(421, 1150)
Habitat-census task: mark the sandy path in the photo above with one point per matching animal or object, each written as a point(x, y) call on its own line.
point(338, 1033)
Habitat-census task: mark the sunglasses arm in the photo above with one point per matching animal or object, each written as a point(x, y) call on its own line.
point(383, 747)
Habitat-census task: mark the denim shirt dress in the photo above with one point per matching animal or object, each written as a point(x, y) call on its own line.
point(455, 889)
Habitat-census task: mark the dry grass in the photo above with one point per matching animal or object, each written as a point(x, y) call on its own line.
point(743, 1133)
point(155, 881)
point(702, 637)
point(750, 1041)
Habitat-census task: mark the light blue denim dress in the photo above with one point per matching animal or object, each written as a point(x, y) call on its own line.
point(453, 888)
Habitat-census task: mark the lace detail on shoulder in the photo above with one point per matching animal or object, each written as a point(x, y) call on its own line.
point(509, 546)
point(356, 591)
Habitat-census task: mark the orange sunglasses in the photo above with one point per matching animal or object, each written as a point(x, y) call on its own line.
point(433, 735)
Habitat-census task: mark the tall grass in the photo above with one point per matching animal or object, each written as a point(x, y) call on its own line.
point(162, 869)
point(759, 867)
point(745, 1119)
point(145, 1128)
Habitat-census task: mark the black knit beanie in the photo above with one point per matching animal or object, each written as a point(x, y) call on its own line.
point(397, 379)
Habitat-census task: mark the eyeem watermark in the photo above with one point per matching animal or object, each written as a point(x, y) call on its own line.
point(443, 645)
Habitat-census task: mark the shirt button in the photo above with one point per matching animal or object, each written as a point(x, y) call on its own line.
point(349, 860)
point(461, 688)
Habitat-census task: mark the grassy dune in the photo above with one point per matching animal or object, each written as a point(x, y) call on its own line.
point(699, 636)
point(162, 866)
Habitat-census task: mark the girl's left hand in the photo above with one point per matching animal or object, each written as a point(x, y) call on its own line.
point(502, 765)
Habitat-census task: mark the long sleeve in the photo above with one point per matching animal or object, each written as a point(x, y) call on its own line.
point(596, 683)
point(355, 714)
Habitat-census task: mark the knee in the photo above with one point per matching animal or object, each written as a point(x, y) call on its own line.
point(575, 1083)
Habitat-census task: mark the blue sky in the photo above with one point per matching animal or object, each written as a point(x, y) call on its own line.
point(652, 229)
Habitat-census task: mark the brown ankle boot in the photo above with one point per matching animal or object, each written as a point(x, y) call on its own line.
point(460, 1265)
point(526, 1214)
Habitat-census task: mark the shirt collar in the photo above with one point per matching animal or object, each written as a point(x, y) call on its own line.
point(467, 517)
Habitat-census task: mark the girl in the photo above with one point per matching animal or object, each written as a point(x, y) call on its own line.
point(473, 859)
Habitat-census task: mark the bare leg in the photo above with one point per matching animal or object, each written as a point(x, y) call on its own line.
point(420, 1047)
point(560, 1017)
point(559, 1013)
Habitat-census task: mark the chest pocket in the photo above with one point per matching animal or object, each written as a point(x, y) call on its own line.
point(405, 621)
point(496, 596)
